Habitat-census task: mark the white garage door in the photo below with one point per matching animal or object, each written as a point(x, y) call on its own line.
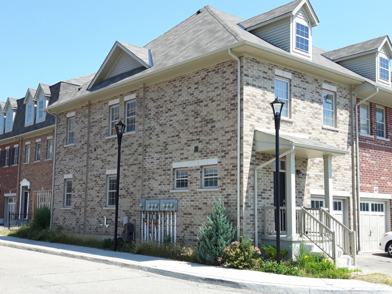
point(372, 224)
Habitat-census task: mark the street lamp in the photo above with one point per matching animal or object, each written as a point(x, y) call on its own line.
point(120, 128)
point(277, 107)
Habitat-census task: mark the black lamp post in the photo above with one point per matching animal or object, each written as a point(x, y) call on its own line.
point(120, 128)
point(277, 107)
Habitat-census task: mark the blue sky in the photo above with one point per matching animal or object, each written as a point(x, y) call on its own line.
point(47, 41)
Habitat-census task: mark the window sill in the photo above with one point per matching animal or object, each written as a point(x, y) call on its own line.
point(179, 191)
point(287, 119)
point(66, 208)
point(110, 137)
point(69, 145)
point(208, 189)
point(37, 161)
point(331, 129)
point(382, 138)
point(129, 133)
point(109, 207)
point(366, 136)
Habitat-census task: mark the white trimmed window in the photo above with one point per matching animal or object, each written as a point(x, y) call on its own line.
point(114, 116)
point(130, 115)
point(41, 105)
point(316, 203)
point(111, 190)
point(302, 37)
point(9, 120)
point(49, 149)
point(364, 119)
point(1, 123)
point(329, 109)
point(70, 138)
point(37, 151)
point(282, 92)
point(26, 153)
point(29, 117)
point(67, 192)
point(380, 122)
point(181, 179)
point(210, 177)
point(384, 69)
point(16, 155)
point(7, 156)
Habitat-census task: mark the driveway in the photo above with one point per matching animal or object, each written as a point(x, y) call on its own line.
point(375, 263)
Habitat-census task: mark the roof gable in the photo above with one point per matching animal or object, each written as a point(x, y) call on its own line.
point(122, 58)
point(286, 10)
point(386, 47)
point(10, 103)
point(30, 95)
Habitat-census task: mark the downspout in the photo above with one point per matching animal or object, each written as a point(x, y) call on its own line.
point(357, 163)
point(18, 191)
point(238, 141)
point(53, 168)
point(255, 189)
point(87, 167)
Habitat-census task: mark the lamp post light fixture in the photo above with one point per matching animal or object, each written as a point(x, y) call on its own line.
point(120, 128)
point(277, 107)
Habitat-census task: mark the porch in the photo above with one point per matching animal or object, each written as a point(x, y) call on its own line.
point(299, 221)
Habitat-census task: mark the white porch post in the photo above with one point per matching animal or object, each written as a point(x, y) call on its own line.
point(328, 183)
point(291, 197)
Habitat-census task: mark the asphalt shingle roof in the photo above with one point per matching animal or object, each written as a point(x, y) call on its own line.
point(355, 49)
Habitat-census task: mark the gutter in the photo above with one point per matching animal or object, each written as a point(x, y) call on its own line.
point(255, 188)
point(357, 199)
point(238, 141)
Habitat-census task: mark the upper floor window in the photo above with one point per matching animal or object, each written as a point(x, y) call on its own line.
point(384, 69)
point(15, 155)
point(70, 136)
point(111, 190)
point(380, 122)
point(130, 115)
point(7, 156)
point(302, 37)
point(282, 92)
point(29, 116)
point(364, 119)
point(1, 123)
point(114, 116)
point(329, 109)
point(210, 177)
point(67, 192)
point(26, 153)
point(9, 120)
point(41, 114)
point(180, 179)
point(49, 148)
point(37, 153)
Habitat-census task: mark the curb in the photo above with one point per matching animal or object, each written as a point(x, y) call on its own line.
point(265, 287)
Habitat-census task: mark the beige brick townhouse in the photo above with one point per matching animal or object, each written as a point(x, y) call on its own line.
point(199, 128)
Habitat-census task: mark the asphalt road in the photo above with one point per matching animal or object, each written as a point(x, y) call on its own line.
point(31, 272)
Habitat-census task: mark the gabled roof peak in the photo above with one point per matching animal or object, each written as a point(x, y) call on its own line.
point(11, 102)
point(280, 12)
point(30, 93)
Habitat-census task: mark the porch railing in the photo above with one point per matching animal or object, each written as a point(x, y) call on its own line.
point(44, 198)
point(269, 220)
point(16, 219)
point(317, 232)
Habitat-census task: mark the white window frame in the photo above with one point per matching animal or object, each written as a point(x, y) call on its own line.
point(367, 119)
point(9, 120)
point(129, 117)
point(41, 114)
point(108, 191)
point(70, 129)
point(37, 151)
point(204, 177)
point(334, 118)
point(379, 68)
point(67, 194)
point(7, 156)
point(288, 103)
point(301, 23)
point(319, 201)
point(49, 148)
point(378, 107)
point(16, 155)
point(178, 179)
point(26, 159)
point(113, 121)
point(29, 111)
point(2, 123)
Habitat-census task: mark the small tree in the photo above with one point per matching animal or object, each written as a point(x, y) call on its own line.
point(41, 218)
point(215, 235)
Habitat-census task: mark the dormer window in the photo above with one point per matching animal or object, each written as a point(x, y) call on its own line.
point(1, 124)
point(302, 37)
point(384, 69)
point(29, 118)
point(41, 114)
point(9, 120)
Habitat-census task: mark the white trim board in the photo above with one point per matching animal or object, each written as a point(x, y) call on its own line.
point(375, 195)
point(195, 163)
point(318, 192)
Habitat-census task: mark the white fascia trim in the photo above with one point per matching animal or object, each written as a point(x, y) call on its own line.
point(114, 102)
point(375, 195)
point(195, 163)
point(319, 192)
point(68, 176)
point(9, 194)
point(71, 114)
point(38, 140)
point(329, 87)
point(283, 74)
point(130, 97)
point(111, 172)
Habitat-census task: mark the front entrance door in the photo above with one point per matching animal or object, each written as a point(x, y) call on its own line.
point(24, 209)
point(9, 210)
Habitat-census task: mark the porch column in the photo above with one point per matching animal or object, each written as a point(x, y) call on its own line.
point(328, 183)
point(291, 225)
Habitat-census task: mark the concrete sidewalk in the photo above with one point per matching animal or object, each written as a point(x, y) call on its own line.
point(256, 281)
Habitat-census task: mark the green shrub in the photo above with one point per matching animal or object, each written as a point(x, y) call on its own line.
point(282, 268)
point(215, 235)
point(41, 219)
point(269, 252)
point(241, 255)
